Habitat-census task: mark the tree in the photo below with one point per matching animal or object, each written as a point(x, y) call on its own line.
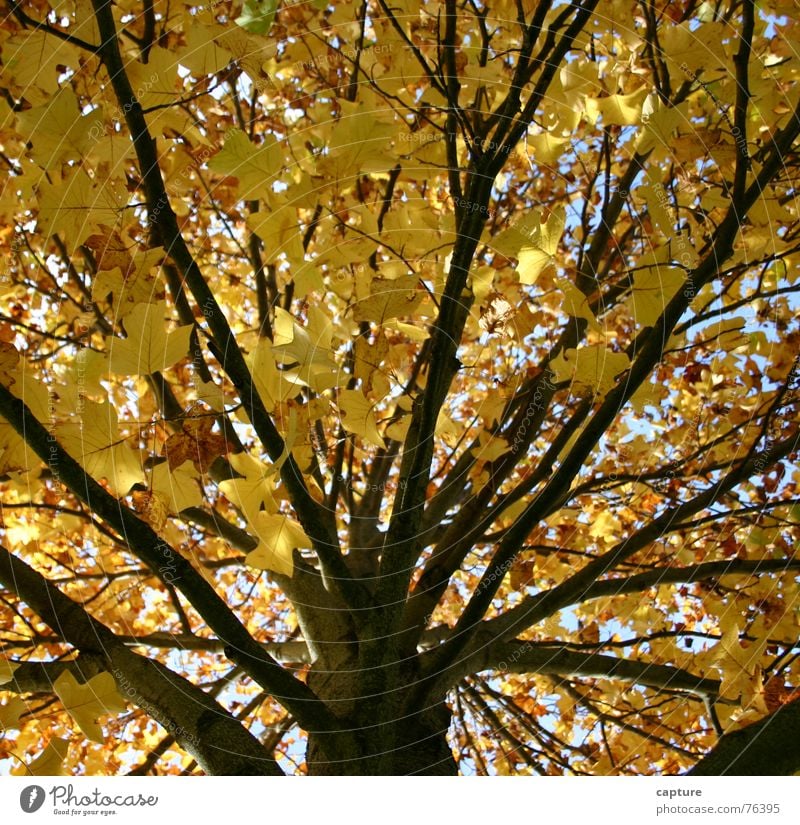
point(399, 388)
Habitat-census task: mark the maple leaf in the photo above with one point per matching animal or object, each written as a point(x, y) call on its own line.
point(77, 206)
point(254, 488)
point(32, 60)
point(256, 167)
point(7, 671)
point(196, 443)
point(306, 351)
point(177, 488)
point(95, 441)
point(124, 289)
point(204, 53)
point(87, 703)
point(359, 144)
point(592, 369)
point(358, 416)
point(57, 131)
point(10, 713)
point(50, 762)
point(388, 299)
point(534, 243)
point(257, 15)
point(148, 348)
point(110, 251)
point(151, 508)
point(279, 536)
point(9, 361)
point(653, 288)
point(617, 110)
point(738, 665)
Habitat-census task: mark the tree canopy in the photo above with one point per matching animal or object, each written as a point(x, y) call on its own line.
point(399, 387)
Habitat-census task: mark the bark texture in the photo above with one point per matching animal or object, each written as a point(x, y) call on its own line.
point(386, 740)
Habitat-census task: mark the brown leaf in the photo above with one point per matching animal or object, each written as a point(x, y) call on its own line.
point(196, 443)
point(109, 250)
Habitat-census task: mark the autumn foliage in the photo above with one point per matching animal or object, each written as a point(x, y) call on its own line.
point(399, 387)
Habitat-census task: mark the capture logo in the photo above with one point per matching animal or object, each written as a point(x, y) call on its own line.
point(31, 798)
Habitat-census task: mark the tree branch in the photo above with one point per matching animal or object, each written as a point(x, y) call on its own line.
point(200, 725)
point(224, 345)
point(519, 656)
point(534, 609)
point(169, 565)
point(662, 576)
point(770, 747)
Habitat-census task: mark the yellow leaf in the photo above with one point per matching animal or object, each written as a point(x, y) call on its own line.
point(256, 167)
point(388, 299)
point(532, 242)
point(358, 416)
point(94, 441)
point(203, 55)
point(576, 304)
point(536, 255)
point(399, 429)
point(617, 110)
point(278, 536)
point(140, 283)
point(306, 351)
point(413, 333)
point(77, 206)
point(155, 84)
point(657, 200)
point(86, 703)
point(152, 508)
point(15, 454)
point(360, 143)
point(9, 360)
point(50, 762)
point(605, 526)
point(727, 334)
point(648, 394)
point(250, 51)
point(447, 429)
point(369, 356)
point(10, 713)
point(689, 49)
point(7, 671)
point(57, 131)
point(210, 393)
point(280, 230)
point(480, 281)
point(659, 121)
point(728, 649)
point(254, 489)
point(271, 383)
point(741, 674)
point(490, 447)
point(179, 488)
point(84, 374)
point(32, 59)
point(591, 369)
point(653, 288)
point(149, 347)
point(546, 147)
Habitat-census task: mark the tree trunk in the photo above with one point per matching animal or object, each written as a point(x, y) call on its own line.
point(386, 740)
point(770, 747)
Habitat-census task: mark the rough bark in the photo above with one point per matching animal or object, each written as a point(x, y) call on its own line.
point(770, 747)
point(387, 739)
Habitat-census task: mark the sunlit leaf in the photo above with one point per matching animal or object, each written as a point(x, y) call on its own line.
point(87, 703)
point(148, 347)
